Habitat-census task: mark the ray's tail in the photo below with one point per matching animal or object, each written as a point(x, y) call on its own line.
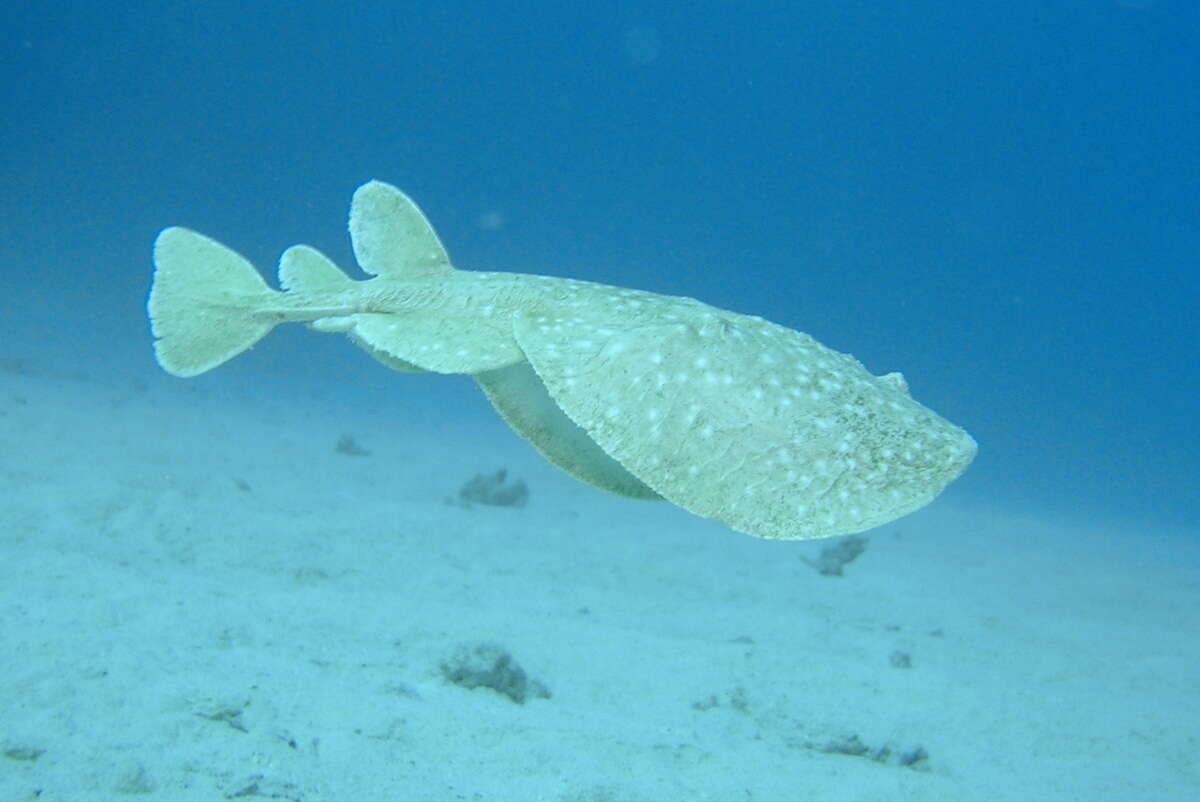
point(205, 303)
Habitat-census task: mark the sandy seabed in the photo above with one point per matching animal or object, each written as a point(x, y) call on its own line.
point(203, 599)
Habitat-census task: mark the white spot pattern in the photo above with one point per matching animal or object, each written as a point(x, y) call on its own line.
point(730, 402)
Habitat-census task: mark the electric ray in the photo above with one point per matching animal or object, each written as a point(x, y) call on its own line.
point(649, 396)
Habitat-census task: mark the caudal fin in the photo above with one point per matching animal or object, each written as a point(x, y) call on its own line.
point(205, 303)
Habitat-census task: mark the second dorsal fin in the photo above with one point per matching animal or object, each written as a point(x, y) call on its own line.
point(306, 269)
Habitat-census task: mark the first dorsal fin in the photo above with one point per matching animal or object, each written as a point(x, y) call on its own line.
point(391, 237)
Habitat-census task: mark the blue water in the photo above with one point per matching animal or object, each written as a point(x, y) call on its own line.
point(997, 198)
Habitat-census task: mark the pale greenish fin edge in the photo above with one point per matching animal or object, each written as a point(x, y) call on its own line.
point(519, 396)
